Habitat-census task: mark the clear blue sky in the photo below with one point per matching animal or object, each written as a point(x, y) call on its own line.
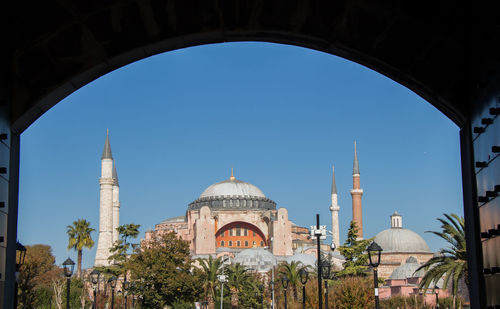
point(280, 115)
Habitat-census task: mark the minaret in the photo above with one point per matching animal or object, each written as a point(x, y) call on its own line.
point(105, 240)
point(334, 209)
point(357, 193)
point(116, 204)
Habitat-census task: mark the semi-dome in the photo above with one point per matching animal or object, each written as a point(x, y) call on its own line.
point(257, 259)
point(233, 194)
point(398, 239)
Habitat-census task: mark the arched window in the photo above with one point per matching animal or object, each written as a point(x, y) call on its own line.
point(238, 230)
point(245, 232)
point(222, 243)
point(238, 244)
point(230, 243)
point(246, 243)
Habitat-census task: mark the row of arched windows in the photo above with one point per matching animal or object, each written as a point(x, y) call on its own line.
point(238, 243)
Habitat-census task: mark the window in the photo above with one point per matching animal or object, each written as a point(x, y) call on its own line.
point(246, 243)
point(238, 244)
point(253, 233)
point(253, 243)
point(238, 230)
point(230, 243)
point(231, 232)
point(245, 232)
point(262, 243)
point(222, 234)
point(222, 243)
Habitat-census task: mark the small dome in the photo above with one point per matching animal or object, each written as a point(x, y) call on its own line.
point(232, 187)
point(257, 259)
point(407, 270)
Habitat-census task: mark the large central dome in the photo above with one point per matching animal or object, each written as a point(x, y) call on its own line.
point(232, 187)
point(233, 194)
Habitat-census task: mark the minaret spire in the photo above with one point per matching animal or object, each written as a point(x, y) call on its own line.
point(334, 209)
point(357, 193)
point(106, 152)
point(355, 168)
point(232, 175)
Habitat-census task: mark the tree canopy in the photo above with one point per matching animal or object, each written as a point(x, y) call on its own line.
point(354, 252)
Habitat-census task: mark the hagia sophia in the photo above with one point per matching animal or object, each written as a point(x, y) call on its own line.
point(236, 219)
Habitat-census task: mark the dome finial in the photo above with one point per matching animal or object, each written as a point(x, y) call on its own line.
point(232, 176)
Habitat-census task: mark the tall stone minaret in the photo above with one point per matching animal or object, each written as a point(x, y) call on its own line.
point(106, 182)
point(334, 209)
point(357, 193)
point(116, 203)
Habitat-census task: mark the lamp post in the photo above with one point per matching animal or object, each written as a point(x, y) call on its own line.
point(20, 255)
point(304, 276)
point(261, 289)
point(94, 278)
point(284, 282)
point(222, 280)
point(374, 251)
point(112, 283)
point(325, 273)
point(436, 290)
point(271, 286)
point(126, 287)
point(133, 295)
point(69, 266)
point(318, 232)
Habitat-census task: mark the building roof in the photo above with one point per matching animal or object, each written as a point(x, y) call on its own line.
point(175, 219)
point(258, 259)
point(305, 259)
point(232, 187)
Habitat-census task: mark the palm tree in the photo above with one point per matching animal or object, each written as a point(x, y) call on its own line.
point(291, 271)
point(79, 238)
point(211, 269)
point(452, 263)
point(238, 279)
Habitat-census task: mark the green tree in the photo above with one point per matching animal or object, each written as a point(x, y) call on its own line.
point(211, 268)
point(291, 271)
point(122, 248)
point(354, 292)
point(452, 263)
point(164, 272)
point(38, 269)
point(79, 238)
point(354, 252)
point(238, 279)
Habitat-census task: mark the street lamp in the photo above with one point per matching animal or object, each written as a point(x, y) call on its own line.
point(325, 273)
point(261, 289)
point(284, 282)
point(271, 286)
point(112, 283)
point(69, 266)
point(374, 251)
point(94, 278)
point(133, 286)
point(126, 287)
point(20, 255)
point(222, 280)
point(436, 290)
point(304, 276)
